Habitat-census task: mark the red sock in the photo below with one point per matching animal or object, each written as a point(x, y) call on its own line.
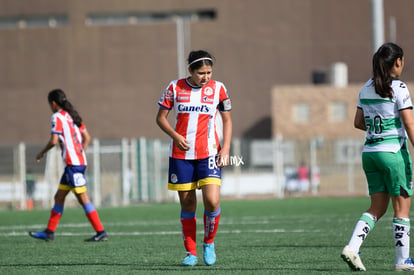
point(210, 227)
point(53, 220)
point(189, 227)
point(93, 218)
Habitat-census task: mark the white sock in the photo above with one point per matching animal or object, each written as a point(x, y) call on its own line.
point(361, 230)
point(401, 230)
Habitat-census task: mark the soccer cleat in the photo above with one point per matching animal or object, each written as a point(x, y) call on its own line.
point(352, 259)
point(209, 254)
point(408, 265)
point(190, 260)
point(99, 237)
point(45, 235)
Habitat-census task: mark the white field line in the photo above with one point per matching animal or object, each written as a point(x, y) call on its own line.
point(127, 224)
point(247, 220)
point(158, 233)
point(22, 230)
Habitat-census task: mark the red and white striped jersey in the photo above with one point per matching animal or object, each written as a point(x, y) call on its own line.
point(70, 138)
point(195, 112)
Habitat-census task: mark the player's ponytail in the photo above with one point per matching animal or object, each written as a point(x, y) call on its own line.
point(59, 97)
point(196, 59)
point(382, 63)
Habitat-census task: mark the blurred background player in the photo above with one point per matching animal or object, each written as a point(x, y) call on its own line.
point(196, 157)
point(69, 130)
point(384, 112)
point(303, 177)
point(30, 189)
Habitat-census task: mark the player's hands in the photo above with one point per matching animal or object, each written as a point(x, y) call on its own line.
point(39, 156)
point(223, 159)
point(182, 143)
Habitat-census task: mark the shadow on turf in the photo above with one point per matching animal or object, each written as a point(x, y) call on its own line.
point(178, 268)
point(64, 264)
point(311, 246)
point(153, 267)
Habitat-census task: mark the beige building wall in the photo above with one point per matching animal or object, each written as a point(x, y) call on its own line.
point(339, 150)
point(320, 121)
point(323, 120)
point(115, 74)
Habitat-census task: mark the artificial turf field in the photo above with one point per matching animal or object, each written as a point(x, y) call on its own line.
point(289, 236)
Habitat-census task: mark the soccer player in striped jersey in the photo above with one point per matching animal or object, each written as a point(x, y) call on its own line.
point(384, 112)
point(70, 132)
point(196, 155)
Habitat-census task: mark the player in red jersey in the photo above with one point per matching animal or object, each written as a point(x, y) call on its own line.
point(70, 132)
point(196, 156)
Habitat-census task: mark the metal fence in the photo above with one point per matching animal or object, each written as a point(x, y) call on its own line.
point(130, 171)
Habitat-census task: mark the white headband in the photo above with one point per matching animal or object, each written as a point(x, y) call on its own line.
point(203, 58)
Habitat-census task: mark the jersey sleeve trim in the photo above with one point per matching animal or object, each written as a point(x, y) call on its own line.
point(410, 107)
point(164, 107)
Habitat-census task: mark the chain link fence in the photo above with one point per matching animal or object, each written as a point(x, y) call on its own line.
point(125, 172)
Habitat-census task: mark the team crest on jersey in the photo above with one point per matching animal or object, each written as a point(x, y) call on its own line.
point(207, 96)
point(169, 95)
point(207, 99)
point(208, 91)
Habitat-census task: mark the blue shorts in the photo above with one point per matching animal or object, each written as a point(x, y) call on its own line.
point(185, 175)
point(73, 179)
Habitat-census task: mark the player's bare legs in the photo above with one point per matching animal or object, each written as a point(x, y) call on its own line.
point(379, 204)
point(401, 205)
point(60, 196)
point(211, 197)
point(188, 200)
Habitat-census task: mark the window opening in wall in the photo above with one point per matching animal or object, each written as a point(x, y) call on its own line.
point(38, 21)
point(301, 112)
point(338, 111)
point(130, 18)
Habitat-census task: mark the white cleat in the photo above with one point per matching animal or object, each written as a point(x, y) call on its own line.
point(408, 265)
point(352, 259)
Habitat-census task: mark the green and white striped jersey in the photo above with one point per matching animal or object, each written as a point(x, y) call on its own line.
point(385, 129)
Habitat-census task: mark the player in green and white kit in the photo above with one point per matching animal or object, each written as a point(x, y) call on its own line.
point(384, 111)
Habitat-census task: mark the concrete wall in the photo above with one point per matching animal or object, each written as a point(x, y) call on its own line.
point(320, 99)
point(114, 75)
